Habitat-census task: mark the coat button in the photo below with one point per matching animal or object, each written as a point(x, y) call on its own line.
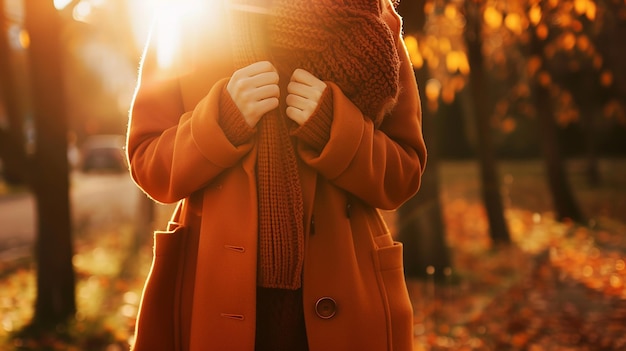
point(326, 308)
point(348, 210)
point(312, 226)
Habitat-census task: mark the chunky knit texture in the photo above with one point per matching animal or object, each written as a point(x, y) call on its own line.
point(281, 232)
point(345, 42)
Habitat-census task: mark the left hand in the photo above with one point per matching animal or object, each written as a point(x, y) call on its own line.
point(304, 93)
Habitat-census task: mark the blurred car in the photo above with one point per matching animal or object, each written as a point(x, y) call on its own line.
point(103, 153)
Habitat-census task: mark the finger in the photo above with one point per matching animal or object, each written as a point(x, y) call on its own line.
point(247, 83)
point(257, 68)
point(296, 115)
point(261, 79)
point(264, 92)
point(253, 112)
point(298, 88)
point(256, 74)
point(266, 105)
point(246, 89)
point(300, 102)
point(302, 76)
point(304, 90)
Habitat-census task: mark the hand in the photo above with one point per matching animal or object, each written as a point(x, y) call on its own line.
point(255, 91)
point(304, 93)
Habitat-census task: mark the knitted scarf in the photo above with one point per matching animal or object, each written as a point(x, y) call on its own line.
point(345, 42)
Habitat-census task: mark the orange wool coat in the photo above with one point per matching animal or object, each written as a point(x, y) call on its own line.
point(354, 293)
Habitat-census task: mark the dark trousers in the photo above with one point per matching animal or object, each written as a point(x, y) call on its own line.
point(280, 320)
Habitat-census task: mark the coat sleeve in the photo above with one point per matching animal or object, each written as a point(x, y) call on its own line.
point(173, 152)
point(383, 166)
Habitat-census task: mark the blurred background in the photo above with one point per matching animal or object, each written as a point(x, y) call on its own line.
point(516, 240)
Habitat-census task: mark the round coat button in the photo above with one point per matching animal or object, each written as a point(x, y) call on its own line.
point(326, 308)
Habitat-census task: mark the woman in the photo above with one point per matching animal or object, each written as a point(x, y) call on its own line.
point(284, 130)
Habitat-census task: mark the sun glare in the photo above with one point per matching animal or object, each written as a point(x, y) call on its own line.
point(167, 30)
point(82, 11)
point(171, 15)
point(61, 4)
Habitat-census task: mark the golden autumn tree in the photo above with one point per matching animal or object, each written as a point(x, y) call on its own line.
point(559, 64)
point(482, 108)
point(538, 65)
point(441, 48)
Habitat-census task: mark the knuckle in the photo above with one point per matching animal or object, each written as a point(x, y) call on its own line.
point(238, 87)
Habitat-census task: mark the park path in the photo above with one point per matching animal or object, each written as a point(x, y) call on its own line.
point(98, 200)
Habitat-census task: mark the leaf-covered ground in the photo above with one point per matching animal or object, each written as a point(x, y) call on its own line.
point(559, 287)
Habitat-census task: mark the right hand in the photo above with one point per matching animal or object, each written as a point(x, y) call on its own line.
point(255, 91)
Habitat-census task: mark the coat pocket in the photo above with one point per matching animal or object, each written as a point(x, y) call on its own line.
point(400, 311)
point(158, 321)
point(167, 242)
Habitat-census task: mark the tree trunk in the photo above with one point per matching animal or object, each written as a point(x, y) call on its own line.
point(610, 44)
point(12, 141)
point(592, 167)
point(420, 221)
point(587, 94)
point(490, 183)
point(559, 187)
point(563, 200)
point(55, 301)
point(421, 227)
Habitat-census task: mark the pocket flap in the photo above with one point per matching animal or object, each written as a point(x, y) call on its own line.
point(390, 257)
point(169, 241)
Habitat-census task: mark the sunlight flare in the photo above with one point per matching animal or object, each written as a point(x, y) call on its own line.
point(82, 11)
point(433, 89)
point(61, 4)
point(492, 17)
point(171, 15)
point(534, 14)
point(414, 53)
